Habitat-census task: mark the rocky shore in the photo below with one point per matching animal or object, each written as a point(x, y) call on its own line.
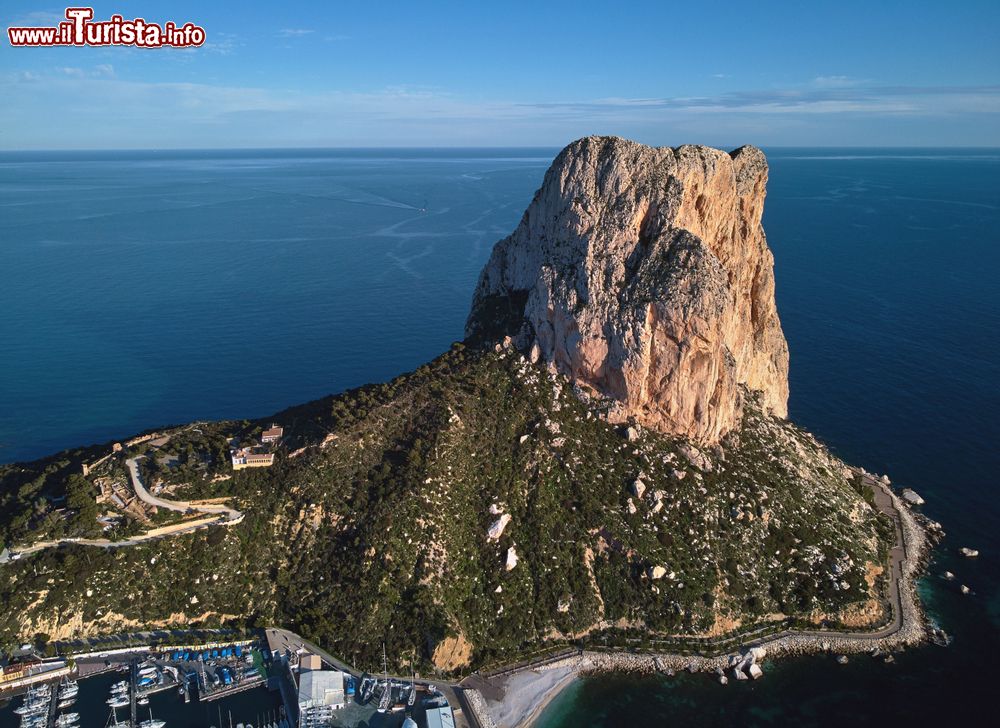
point(918, 535)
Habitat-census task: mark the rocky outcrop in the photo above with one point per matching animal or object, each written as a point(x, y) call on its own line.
point(644, 275)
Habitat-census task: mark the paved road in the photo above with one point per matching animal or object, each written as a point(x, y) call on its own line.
point(218, 514)
point(232, 515)
point(157, 533)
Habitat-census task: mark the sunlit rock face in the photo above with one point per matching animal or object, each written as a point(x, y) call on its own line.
point(644, 274)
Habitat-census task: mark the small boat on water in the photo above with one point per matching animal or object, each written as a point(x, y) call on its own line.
point(152, 722)
point(32, 708)
point(66, 703)
point(118, 701)
point(67, 719)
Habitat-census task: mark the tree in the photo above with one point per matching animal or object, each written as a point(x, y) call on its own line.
point(80, 499)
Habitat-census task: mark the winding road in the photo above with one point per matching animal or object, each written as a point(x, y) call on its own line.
point(216, 515)
point(232, 516)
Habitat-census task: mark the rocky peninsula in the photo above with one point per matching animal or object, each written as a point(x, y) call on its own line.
point(603, 465)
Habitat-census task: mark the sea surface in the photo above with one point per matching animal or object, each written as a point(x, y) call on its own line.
point(256, 706)
point(149, 288)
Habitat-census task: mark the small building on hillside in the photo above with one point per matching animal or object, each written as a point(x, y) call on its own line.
point(244, 457)
point(272, 434)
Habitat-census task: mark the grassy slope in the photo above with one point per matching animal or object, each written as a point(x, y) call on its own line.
point(380, 534)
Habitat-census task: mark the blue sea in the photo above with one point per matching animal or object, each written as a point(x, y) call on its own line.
point(148, 288)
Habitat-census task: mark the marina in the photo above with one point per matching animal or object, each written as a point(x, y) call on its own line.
point(265, 683)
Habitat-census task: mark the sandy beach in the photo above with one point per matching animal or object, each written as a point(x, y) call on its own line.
point(527, 693)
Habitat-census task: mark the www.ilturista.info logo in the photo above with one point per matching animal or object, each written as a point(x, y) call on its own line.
point(79, 29)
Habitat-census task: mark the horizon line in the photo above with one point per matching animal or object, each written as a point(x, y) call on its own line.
point(473, 146)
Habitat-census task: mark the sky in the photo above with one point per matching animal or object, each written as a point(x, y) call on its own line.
point(339, 74)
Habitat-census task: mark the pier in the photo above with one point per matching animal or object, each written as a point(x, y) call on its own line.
point(133, 673)
point(53, 702)
point(232, 690)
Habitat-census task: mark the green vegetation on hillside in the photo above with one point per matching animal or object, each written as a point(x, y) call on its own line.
point(372, 524)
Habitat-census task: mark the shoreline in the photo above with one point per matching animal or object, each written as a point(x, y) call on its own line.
point(525, 699)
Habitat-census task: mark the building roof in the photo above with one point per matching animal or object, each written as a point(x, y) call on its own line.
point(310, 661)
point(440, 718)
point(321, 687)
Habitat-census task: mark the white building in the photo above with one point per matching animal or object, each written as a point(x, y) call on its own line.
point(319, 688)
point(440, 718)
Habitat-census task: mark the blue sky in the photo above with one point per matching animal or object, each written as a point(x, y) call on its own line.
point(327, 74)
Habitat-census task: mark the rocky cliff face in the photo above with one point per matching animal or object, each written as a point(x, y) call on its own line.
point(644, 274)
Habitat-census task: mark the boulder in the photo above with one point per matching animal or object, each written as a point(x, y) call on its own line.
point(968, 553)
point(911, 497)
point(511, 560)
point(497, 528)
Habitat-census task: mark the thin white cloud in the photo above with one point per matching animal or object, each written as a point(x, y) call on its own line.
point(295, 32)
point(837, 81)
point(105, 108)
point(219, 43)
point(102, 70)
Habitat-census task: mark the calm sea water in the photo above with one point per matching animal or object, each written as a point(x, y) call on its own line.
point(152, 288)
point(253, 706)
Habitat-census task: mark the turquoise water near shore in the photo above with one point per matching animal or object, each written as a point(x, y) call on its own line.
point(146, 288)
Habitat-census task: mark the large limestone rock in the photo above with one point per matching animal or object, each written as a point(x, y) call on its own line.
point(644, 275)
